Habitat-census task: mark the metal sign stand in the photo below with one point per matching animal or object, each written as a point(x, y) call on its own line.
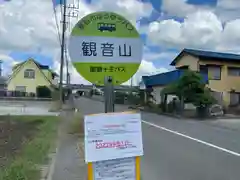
point(108, 94)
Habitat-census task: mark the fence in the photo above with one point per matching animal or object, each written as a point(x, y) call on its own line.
point(17, 95)
point(4, 93)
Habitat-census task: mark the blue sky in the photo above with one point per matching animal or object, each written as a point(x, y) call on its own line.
point(168, 44)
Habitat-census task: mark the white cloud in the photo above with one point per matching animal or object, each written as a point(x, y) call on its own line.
point(146, 68)
point(133, 9)
point(180, 8)
point(7, 63)
point(225, 9)
point(5, 58)
point(230, 37)
point(74, 75)
point(27, 25)
point(148, 55)
point(228, 4)
point(202, 29)
point(177, 7)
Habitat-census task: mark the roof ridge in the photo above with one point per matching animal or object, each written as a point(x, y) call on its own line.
point(210, 51)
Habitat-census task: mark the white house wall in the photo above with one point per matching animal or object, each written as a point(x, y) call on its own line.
point(156, 94)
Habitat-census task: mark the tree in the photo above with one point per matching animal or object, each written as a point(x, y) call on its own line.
point(190, 88)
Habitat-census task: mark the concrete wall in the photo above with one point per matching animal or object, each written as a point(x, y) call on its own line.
point(157, 94)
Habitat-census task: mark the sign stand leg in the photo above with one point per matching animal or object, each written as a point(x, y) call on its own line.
point(108, 94)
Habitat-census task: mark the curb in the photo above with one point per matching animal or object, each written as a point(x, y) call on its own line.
point(164, 114)
point(52, 166)
point(182, 117)
point(52, 163)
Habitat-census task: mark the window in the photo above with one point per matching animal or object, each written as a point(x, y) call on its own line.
point(203, 69)
point(21, 88)
point(214, 73)
point(183, 67)
point(29, 73)
point(234, 98)
point(232, 71)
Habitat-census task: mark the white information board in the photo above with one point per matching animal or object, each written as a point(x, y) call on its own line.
point(112, 136)
point(117, 169)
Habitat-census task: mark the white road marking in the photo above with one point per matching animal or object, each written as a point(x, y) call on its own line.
point(194, 139)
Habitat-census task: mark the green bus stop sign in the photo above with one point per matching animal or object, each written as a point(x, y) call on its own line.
point(105, 44)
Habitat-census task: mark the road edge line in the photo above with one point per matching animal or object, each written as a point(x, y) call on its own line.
point(193, 139)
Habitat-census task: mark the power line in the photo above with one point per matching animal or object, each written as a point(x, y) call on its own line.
point(56, 22)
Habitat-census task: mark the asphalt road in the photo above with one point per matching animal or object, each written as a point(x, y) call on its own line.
point(183, 149)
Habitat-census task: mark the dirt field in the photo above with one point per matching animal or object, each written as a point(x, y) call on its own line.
point(13, 133)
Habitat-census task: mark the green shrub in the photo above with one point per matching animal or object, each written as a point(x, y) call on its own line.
point(119, 97)
point(43, 92)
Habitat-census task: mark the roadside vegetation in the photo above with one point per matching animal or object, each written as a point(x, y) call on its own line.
point(190, 88)
point(77, 124)
point(25, 143)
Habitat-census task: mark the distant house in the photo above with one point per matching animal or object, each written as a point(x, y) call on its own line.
point(223, 71)
point(3, 83)
point(159, 81)
point(28, 75)
point(3, 80)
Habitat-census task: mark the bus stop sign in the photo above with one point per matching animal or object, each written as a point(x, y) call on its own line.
point(105, 44)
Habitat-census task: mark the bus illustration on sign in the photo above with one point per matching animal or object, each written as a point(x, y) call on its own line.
point(106, 27)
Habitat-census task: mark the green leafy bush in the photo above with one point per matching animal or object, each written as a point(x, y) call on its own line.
point(43, 92)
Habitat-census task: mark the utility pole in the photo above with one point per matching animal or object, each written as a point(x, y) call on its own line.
point(62, 50)
point(68, 75)
point(131, 81)
point(67, 68)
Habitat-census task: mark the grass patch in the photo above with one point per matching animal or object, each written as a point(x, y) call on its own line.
point(34, 152)
point(77, 124)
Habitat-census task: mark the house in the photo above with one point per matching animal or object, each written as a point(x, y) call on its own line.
point(3, 85)
point(159, 81)
point(28, 75)
point(223, 71)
